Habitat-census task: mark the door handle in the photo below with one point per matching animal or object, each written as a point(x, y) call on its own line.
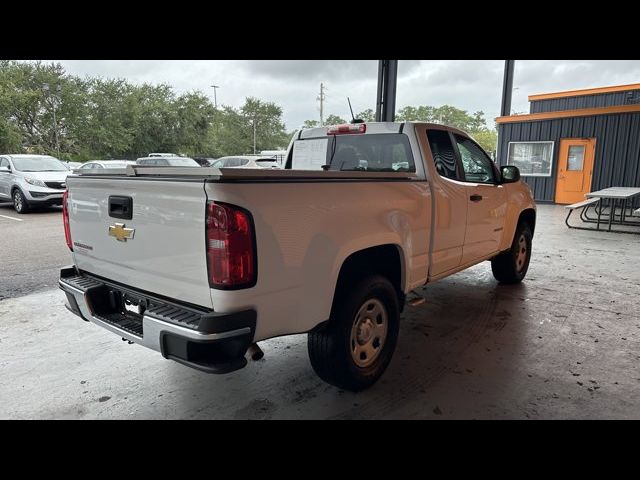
point(475, 198)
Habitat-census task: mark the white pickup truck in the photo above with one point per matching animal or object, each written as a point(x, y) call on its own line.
point(199, 264)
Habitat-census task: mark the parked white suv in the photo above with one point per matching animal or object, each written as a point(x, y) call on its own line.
point(32, 180)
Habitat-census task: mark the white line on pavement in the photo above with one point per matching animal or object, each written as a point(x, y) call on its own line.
point(11, 218)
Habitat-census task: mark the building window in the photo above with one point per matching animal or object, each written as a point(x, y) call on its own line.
point(534, 159)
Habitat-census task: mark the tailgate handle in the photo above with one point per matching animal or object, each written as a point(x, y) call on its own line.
point(121, 207)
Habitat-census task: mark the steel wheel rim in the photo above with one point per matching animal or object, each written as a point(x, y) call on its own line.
point(368, 332)
point(521, 256)
point(17, 199)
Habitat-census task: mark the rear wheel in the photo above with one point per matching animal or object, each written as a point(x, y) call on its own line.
point(354, 350)
point(19, 202)
point(512, 266)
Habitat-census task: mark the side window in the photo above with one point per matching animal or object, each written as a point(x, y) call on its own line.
point(443, 154)
point(4, 162)
point(477, 166)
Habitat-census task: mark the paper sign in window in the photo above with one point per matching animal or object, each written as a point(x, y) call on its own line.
point(310, 154)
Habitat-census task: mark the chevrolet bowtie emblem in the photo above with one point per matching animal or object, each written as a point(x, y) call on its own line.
point(121, 233)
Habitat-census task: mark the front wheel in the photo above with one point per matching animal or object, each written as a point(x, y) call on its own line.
point(511, 266)
point(354, 350)
point(19, 202)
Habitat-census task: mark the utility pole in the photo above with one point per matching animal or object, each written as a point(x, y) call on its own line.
point(321, 98)
point(215, 97)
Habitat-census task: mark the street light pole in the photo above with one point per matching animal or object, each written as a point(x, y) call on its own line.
point(254, 134)
point(215, 97)
point(54, 100)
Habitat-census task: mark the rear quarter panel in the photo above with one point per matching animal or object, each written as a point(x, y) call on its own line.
point(305, 231)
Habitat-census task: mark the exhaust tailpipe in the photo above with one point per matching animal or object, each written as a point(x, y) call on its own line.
point(254, 352)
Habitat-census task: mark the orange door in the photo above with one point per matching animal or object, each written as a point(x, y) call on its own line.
point(575, 169)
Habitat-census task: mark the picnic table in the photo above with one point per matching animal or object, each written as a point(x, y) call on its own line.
point(612, 196)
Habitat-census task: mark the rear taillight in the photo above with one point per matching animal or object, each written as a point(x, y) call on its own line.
point(65, 219)
point(231, 253)
point(347, 129)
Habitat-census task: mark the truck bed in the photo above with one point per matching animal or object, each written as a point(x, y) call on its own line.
point(231, 174)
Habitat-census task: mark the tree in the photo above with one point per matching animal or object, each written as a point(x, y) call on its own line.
point(367, 115)
point(108, 124)
point(487, 139)
point(310, 124)
point(32, 96)
point(195, 116)
point(233, 133)
point(474, 123)
point(265, 119)
point(334, 120)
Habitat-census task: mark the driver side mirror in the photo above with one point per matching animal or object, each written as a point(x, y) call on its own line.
point(509, 174)
point(5, 170)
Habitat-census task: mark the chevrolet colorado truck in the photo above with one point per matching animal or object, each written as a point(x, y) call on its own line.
point(200, 264)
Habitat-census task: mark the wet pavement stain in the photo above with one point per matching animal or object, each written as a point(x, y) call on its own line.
point(258, 409)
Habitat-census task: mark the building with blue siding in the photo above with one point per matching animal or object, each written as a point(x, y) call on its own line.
point(575, 142)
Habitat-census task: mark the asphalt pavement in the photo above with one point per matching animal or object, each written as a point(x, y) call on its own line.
point(32, 250)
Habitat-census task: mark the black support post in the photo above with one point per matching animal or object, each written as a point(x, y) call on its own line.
point(386, 97)
point(505, 106)
point(507, 88)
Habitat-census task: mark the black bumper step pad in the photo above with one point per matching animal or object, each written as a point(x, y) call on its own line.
point(129, 322)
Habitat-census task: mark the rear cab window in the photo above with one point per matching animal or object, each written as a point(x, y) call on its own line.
point(443, 153)
point(385, 152)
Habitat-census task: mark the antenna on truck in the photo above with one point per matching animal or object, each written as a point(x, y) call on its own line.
point(354, 119)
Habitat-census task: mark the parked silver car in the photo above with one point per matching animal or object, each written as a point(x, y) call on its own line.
point(100, 164)
point(30, 180)
point(245, 161)
point(168, 161)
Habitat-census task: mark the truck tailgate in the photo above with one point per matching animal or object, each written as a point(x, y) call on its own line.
point(166, 254)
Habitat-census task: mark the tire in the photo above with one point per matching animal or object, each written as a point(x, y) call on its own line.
point(20, 204)
point(354, 349)
point(511, 267)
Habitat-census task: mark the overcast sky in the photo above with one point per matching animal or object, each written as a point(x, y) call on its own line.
point(294, 84)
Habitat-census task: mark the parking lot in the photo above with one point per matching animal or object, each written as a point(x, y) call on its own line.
point(33, 250)
point(563, 344)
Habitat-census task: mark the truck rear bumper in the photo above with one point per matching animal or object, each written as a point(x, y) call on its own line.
point(208, 341)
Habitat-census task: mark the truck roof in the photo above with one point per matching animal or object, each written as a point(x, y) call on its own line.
point(377, 128)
